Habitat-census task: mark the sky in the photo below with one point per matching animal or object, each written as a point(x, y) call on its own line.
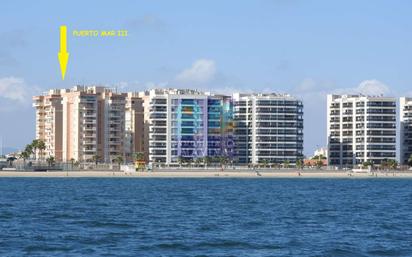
point(305, 48)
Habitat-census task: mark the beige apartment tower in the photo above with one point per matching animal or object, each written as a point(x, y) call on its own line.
point(89, 124)
point(134, 125)
point(49, 123)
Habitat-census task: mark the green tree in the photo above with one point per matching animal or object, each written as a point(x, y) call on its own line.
point(34, 145)
point(207, 160)
point(41, 146)
point(319, 164)
point(367, 164)
point(319, 157)
point(299, 164)
point(95, 158)
point(384, 164)
point(50, 161)
point(28, 150)
point(286, 163)
point(199, 161)
point(392, 164)
point(25, 155)
point(118, 159)
point(222, 160)
point(410, 160)
point(139, 156)
point(180, 160)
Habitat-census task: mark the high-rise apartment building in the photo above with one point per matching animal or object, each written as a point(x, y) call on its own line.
point(187, 125)
point(89, 123)
point(49, 123)
point(360, 129)
point(82, 135)
point(267, 128)
point(405, 129)
point(134, 125)
point(169, 125)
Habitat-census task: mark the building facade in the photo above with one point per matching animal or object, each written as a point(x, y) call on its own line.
point(170, 126)
point(49, 118)
point(134, 125)
point(360, 129)
point(405, 129)
point(267, 128)
point(187, 125)
point(89, 124)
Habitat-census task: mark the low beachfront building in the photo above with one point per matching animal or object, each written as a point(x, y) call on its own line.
point(360, 129)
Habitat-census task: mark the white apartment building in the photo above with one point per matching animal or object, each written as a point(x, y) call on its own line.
point(360, 129)
point(267, 128)
point(405, 129)
point(186, 125)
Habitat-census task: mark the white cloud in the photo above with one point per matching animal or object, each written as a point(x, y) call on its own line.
point(373, 87)
point(14, 89)
point(366, 87)
point(202, 71)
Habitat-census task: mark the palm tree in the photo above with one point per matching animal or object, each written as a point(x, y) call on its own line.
point(262, 163)
point(50, 161)
point(118, 160)
point(222, 160)
point(286, 163)
point(198, 161)
point(41, 146)
point(28, 150)
point(95, 159)
point(180, 160)
point(34, 145)
point(410, 160)
point(385, 164)
point(139, 156)
point(319, 164)
point(207, 160)
point(367, 164)
point(300, 164)
point(393, 164)
point(25, 155)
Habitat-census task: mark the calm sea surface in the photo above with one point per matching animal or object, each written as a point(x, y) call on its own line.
point(205, 217)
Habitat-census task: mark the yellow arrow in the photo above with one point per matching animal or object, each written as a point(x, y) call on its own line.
point(63, 54)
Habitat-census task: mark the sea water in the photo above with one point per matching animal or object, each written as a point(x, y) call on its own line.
point(205, 217)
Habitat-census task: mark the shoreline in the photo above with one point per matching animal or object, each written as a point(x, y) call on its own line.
point(206, 174)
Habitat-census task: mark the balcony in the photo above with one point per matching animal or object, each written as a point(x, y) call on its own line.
point(89, 149)
point(87, 128)
point(89, 115)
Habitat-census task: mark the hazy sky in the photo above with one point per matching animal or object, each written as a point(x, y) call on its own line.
point(305, 48)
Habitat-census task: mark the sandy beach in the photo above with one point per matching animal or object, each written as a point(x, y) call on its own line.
point(209, 174)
